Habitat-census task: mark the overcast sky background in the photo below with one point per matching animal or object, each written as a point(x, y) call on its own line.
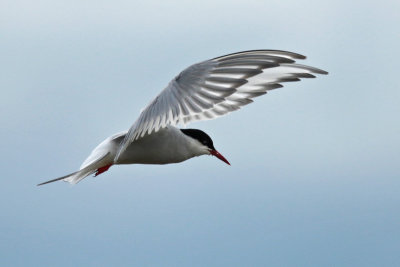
point(315, 177)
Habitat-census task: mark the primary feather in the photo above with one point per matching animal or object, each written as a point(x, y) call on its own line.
point(216, 87)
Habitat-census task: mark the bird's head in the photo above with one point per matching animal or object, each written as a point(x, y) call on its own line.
point(205, 143)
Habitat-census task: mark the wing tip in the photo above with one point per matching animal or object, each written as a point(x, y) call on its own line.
point(319, 71)
point(269, 51)
point(323, 72)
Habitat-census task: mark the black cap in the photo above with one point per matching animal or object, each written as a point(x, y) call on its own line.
point(200, 136)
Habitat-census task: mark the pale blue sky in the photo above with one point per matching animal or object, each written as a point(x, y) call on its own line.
point(315, 177)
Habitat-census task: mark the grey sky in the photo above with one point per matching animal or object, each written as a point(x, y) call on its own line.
point(314, 179)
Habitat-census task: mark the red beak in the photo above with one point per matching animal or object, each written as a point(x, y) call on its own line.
point(218, 155)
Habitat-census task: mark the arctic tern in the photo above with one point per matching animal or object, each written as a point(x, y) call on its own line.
point(203, 91)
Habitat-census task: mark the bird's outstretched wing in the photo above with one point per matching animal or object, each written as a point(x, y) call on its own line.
point(216, 87)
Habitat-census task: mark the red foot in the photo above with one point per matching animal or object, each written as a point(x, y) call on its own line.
point(102, 169)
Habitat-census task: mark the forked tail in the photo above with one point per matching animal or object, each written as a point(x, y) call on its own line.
point(96, 167)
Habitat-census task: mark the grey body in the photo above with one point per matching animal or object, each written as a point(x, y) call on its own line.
point(168, 145)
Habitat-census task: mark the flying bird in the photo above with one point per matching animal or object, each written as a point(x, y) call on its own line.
point(203, 91)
